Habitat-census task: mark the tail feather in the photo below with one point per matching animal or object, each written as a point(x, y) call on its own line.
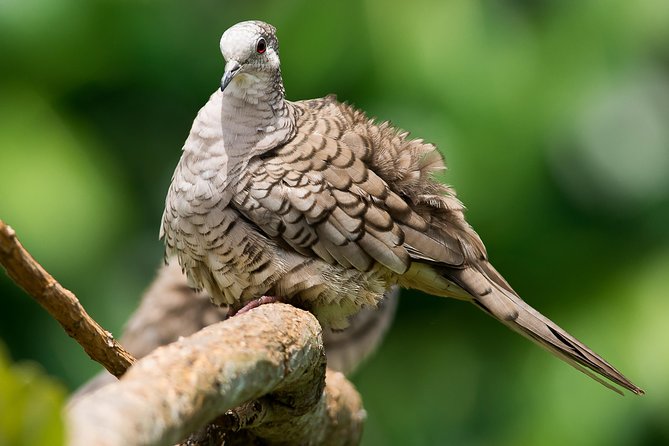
point(500, 301)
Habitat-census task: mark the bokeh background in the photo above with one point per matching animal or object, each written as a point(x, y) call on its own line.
point(553, 117)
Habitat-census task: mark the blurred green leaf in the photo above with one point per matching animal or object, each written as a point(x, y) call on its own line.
point(30, 404)
point(56, 190)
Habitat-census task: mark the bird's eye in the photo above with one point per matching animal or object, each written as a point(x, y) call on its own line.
point(261, 46)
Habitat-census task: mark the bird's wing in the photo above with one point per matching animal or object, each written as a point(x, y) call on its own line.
point(320, 197)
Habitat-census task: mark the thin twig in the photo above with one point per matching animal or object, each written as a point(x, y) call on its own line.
point(62, 304)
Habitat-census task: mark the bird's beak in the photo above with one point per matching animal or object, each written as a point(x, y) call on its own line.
point(231, 70)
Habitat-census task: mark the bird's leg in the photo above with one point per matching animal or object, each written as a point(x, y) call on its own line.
point(254, 304)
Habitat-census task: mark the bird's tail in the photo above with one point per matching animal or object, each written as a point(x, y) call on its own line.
point(493, 294)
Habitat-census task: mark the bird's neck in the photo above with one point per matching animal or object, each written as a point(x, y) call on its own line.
point(248, 119)
point(255, 117)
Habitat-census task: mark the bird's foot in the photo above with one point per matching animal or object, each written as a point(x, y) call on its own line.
point(255, 303)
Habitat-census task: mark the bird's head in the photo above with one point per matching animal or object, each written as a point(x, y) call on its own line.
point(251, 51)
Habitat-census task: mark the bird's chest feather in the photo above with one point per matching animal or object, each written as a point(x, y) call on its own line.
point(221, 252)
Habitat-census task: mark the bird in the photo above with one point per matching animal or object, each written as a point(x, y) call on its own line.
point(313, 203)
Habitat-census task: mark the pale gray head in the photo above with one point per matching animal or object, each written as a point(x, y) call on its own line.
point(251, 51)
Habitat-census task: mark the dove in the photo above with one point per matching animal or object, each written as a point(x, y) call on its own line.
point(315, 204)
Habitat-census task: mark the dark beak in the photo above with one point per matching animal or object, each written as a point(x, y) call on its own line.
point(231, 70)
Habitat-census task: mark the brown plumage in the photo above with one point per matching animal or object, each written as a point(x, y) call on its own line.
point(317, 204)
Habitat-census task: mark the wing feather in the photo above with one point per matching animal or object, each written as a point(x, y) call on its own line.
point(344, 191)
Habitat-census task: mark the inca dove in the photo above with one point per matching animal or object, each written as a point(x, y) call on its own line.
point(317, 204)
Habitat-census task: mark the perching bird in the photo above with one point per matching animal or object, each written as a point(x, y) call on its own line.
point(315, 204)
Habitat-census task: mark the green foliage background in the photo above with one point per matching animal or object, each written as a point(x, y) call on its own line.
point(552, 115)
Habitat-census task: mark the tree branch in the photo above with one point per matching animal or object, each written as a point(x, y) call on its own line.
point(62, 304)
point(266, 368)
point(272, 356)
point(270, 362)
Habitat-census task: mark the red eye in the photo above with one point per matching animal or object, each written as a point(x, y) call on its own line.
point(261, 46)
